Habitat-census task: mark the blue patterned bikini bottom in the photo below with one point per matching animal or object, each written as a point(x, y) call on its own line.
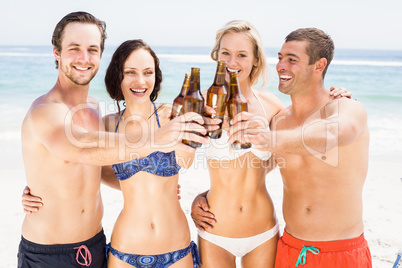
point(156, 261)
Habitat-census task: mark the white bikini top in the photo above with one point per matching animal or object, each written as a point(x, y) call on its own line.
point(220, 149)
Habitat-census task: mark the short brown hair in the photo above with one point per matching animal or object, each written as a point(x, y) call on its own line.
point(115, 71)
point(79, 16)
point(320, 44)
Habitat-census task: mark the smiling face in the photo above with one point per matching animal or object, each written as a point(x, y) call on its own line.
point(80, 53)
point(237, 50)
point(293, 67)
point(139, 76)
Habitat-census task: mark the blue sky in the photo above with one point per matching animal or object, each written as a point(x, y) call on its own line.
point(352, 24)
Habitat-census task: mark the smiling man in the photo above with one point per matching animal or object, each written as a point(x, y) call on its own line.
point(64, 146)
point(70, 223)
point(323, 144)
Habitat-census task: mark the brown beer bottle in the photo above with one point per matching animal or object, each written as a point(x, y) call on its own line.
point(236, 103)
point(216, 97)
point(194, 101)
point(179, 100)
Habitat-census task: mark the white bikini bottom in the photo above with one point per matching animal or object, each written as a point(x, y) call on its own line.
point(239, 246)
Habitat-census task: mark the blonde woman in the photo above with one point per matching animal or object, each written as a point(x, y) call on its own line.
point(241, 220)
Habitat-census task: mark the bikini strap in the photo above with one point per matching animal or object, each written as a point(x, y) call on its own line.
point(118, 122)
point(156, 114)
point(262, 106)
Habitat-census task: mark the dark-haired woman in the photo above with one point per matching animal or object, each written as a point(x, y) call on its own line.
point(152, 229)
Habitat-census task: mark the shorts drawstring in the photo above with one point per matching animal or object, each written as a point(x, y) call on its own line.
point(303, 253)
point(86, 255)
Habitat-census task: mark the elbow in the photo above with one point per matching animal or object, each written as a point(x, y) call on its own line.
point(341, 137)
point(348, 136)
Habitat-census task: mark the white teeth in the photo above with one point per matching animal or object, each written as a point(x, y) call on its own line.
point(138, 91)
point(232, 70)
point(285, 77)
point(82, 69)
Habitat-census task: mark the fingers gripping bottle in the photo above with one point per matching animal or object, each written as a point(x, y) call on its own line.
point(216, 97)
point(236, 104)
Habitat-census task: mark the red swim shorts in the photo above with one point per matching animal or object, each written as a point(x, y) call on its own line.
point(293, 252)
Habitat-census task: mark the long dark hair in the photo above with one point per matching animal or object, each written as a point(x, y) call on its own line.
point(115, 71)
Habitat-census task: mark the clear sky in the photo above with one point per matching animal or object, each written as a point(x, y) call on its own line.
point(351, 23)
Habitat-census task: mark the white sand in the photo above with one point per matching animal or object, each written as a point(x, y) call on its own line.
point(382, 203)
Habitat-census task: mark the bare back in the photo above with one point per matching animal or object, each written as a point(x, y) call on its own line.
point(70, 191)
point(323, 190)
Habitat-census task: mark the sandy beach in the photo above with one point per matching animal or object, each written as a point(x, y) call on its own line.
point(367, 62)
point(382, 203)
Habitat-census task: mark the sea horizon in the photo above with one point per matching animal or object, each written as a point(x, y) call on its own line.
point(373, 76)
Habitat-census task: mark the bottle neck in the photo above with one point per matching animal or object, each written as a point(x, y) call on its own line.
point(194, 83)
point(220, 74)
point(184, 88)
point(234, 85)
point(184, 91)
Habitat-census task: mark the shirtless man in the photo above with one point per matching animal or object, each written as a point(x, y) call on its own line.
point(64, 146)
point(322, 145)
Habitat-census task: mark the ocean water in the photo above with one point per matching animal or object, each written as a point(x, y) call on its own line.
point(373, 76)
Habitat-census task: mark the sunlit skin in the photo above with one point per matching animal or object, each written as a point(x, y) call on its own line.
point(323, 142)
point(139, 78)
point(294, 70)
point(241, 205)
point(64, 146)
point(237, 50)
point(312, 210)
point(162, 226)
point(72, 196)
point(79, 60)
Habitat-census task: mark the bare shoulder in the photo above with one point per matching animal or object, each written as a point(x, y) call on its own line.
point(164, 110)
point(346, 106)
point(110, 121)
point(43, 109)
point(272, 104)
point(93, 103)
point(44, 117)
